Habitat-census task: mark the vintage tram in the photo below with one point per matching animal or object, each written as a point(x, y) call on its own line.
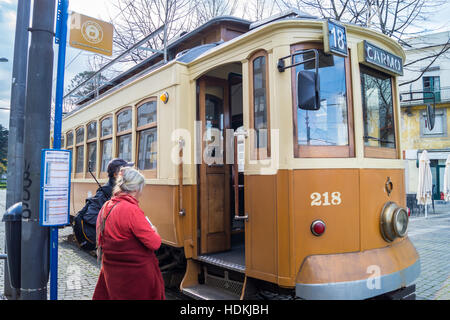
point(272, 158)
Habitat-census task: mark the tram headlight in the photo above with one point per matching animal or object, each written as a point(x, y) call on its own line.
point(400, 222)
point(393, 221)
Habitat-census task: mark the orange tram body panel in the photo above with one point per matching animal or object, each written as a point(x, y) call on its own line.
point(256, 191)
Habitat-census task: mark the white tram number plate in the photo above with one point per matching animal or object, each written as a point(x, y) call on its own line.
point(337, 39)
point(326, 199)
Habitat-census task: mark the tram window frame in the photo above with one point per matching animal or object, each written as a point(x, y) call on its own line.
point(103, 139)
point(80, 145)
point(320, 151)
point(381, 152)
point(148, 173)
point(264, 152)
point(89, 142)
point(121, 134)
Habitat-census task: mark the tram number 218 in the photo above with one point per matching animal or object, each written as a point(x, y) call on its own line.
point(326, 199)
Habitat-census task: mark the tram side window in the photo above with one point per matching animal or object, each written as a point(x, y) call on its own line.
point(325, 132)
point(260, 106)
point(378, 113)
point(105, 142)
point(124, 134)
point(69, 141)
point(92, 146)
point(79, 140)
point(147, 135)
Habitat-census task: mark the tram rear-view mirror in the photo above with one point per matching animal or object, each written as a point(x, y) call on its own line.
point(308, 90)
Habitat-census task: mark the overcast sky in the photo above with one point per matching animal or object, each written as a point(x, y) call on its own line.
point(76, 60)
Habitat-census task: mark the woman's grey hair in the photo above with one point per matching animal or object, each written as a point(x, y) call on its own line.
point(130, 180)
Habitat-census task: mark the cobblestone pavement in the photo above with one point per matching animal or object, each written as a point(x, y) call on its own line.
point(431, 237)
point(78, 271)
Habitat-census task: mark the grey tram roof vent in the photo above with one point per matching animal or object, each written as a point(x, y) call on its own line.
point(291, 13)
point(191, 54)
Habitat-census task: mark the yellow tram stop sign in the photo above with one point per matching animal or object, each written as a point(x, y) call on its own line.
point(87, 33)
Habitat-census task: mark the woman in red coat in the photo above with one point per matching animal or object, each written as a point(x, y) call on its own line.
point(126, 243)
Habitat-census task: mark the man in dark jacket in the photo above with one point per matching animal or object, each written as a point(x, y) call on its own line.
point(84, 223)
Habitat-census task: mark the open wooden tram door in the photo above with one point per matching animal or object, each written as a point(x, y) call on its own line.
point(214, 204)
point(221, 178)
point(218, 270)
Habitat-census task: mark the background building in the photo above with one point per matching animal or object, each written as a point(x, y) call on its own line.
point(416, 136)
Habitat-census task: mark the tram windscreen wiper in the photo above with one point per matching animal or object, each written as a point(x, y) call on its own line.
point(378, 139)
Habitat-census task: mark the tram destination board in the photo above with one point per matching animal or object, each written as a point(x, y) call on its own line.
point(55, 187)
point(375, 57)
point(335, 38)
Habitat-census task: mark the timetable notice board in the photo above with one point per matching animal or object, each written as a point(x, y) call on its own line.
point(55, 187)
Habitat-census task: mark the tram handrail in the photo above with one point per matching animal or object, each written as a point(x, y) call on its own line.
point(182, 212)
point(237, 215)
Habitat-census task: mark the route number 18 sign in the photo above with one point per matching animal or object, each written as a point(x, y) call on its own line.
point(335, 38)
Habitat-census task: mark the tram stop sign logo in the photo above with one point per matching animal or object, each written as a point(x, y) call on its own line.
point(91, 34)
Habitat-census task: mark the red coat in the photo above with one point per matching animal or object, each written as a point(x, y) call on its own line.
point(129, 266)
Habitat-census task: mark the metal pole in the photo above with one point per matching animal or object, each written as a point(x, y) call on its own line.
point(165, 30)
point(14, 184)
point(62, 33)
point(35, 239)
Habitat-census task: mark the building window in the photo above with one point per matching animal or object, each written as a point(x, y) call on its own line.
point(79, 139)
point(327, 132)
point(147, 141)
point(124, 134)
point(105, 142)
point(259, 102)
point(378, 114)
point(92, 146)
point(431, 84)
point(440, 124)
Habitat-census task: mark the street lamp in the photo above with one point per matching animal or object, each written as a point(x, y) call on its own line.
point(2, 59)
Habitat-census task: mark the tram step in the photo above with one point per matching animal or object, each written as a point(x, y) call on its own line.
point(233, 259)
point(207, 292)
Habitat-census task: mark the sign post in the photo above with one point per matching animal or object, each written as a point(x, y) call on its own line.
point(50, 195)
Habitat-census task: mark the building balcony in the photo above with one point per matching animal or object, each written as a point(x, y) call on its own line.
point(410, 98)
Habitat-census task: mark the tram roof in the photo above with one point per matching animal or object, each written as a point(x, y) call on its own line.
point(155, 60)
point(190, 54)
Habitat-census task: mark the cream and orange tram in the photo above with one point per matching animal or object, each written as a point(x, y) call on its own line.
point(271, 153)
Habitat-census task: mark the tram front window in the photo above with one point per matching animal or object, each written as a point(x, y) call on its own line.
point(327, 132)
point(327, 126)
point(378, 110)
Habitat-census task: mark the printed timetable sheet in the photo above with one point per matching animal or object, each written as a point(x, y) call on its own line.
point(55, 187)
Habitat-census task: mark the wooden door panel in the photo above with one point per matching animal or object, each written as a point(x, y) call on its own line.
point(214, 181)
point(216, 203)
